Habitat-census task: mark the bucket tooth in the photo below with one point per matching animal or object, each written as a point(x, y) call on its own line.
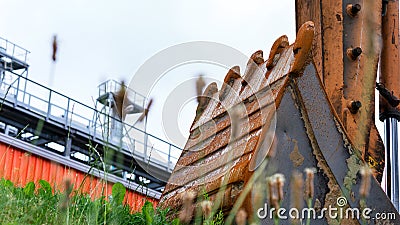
point(257, 57)
point(205, 98)
point(302, 47)
point(232, 75)
point(276, 50)
point(253, 65)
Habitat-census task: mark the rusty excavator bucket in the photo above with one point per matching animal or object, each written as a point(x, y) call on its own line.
point(275, 119)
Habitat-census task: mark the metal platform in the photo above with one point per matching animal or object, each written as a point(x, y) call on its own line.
point(12, 56)
point(77, 133)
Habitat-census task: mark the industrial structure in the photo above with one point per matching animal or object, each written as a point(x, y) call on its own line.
point(47, 135)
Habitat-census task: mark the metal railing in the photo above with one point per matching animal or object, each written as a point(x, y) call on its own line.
point(56, 107)
point(13, 50)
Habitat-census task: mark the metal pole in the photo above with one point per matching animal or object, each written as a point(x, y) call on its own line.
point(145, 138)
point(26, 81)
point(392, 172)
point(67, 114)
point(169, 157)
point(386, 180)
point(395, 163)
point(68, 145)
point(16, 94)
point(49, 106)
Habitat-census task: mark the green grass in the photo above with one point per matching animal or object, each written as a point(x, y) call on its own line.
point(43, 205)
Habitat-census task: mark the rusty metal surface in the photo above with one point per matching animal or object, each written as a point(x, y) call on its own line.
point(332, 52)
point(328, 44)
point(339, 29)
point(343, 159)
point(390, 68)
point(293, 153)
point(311, 11)
point(22, 167)
point(363, 30)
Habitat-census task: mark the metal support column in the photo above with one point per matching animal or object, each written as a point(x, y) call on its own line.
point(68, 144)
point(392, 172)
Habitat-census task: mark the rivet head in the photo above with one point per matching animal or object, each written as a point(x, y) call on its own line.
point(353, 53)
point(352, 10)
point(354, 106)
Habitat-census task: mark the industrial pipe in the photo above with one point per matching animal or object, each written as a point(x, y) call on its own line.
point(389, 83)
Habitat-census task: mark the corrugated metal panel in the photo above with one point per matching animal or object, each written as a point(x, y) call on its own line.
point(21, 167)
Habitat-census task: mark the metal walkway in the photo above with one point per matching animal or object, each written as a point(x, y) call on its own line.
point(79, 133)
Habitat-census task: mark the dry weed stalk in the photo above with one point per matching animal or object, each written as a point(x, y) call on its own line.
point(309, 190)
point(241, 217)
point(186, 213)
point(206, 208)
point(119, 100)
point(297, 193)
point(146, 111)
point(280, 182)
point(199, 87)
point(68, 190)
point(365, 181)
point(55, 46)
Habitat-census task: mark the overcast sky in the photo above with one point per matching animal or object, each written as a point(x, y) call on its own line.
point(112, 39)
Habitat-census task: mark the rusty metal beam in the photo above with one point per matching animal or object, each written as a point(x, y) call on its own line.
point(389, 67)
point(328, 44)
point(311, 11)
point(345, 51)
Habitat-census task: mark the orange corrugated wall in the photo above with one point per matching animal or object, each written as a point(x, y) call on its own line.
point(22, 167)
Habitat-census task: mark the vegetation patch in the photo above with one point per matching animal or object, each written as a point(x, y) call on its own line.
point(40, 204)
